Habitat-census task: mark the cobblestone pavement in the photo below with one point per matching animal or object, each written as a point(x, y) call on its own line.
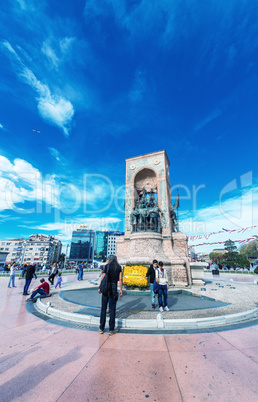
point(44, 362)
point(239, 296)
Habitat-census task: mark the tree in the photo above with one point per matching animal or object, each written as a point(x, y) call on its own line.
point(230, 246)
point(249, 249)
point(62, 257)
point(217, 257)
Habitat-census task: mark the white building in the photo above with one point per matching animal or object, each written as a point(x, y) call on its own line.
point(37, 249)
point(13, 248)
point(111, 242)
point(41, 249)
point(3, 256)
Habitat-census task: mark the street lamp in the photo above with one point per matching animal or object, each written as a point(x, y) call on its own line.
point(67, 247)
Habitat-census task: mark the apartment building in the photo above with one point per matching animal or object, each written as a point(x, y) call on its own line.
point(111, 242)
point(37, 249)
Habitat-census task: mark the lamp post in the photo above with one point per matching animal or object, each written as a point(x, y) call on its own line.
point(67, 247)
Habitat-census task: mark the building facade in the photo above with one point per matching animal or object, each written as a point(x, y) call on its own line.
point(13, 248)
point(3, 256)
point(111, 242)
point(37, 249)
point(82, 245)
point(100, 248)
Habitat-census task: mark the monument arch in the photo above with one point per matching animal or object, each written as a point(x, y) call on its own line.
point(151, 230)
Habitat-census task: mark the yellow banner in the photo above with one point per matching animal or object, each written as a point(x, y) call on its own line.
point(135, 275)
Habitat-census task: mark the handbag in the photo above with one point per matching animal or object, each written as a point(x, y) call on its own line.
point(104, 284)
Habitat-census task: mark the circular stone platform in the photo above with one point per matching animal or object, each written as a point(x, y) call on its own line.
point(217, 305)
point(134, 302)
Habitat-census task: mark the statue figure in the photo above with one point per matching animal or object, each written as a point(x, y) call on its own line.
point(145, 216)
point(155, 225)
point(175, 227)
point(142, 219)
point(134, 218)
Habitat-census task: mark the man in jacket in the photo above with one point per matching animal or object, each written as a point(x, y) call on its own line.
point(151, 274)
point(30, 272)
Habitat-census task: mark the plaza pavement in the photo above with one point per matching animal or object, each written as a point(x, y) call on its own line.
point(45, 362)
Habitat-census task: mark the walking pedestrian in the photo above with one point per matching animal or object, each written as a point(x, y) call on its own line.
point(162, 280)
point(80, 275)
point(54, 272)
point(151, 275)
point(12, 276)
point(59, 280)
point(114, 275)
point(29, 275)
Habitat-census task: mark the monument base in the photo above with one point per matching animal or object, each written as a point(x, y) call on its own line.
point(144, 247)
point(197, 272)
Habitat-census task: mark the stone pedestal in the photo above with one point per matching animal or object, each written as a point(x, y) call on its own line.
point(197, 272)
point(143, 248)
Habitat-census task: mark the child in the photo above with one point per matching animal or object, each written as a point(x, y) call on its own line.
point(59, 280)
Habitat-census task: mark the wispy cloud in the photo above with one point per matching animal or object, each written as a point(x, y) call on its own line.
point(64, 229)
point(1, 127)
point(139, 87)
point(52, 106)
point(212, 116)
point(50, 53)
point(55, 153)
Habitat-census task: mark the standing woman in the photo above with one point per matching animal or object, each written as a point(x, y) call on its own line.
point(114, 275)
point(53, 273)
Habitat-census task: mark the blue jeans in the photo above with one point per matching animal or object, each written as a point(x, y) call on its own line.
point(27, 285)
point(163, 290)
point(112, 297)
point(80, 276)
point(38, 291)
point(152, 294)
point(12, 277)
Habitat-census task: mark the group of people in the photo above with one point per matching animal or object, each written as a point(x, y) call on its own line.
point(156, 272)
point(30, 272)
point(79, 270)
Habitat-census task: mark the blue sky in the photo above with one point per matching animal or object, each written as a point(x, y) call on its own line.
point(111, 79)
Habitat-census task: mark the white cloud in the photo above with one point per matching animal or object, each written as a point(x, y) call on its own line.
point(20, 182)
point(54, 152)
point(1, 127)
point(52, 107)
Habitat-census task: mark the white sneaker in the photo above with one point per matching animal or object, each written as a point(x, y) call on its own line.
point(161, 309)
point(166, 308)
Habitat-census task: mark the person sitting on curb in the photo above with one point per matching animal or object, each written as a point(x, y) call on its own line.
point(162, 280)
point(42, 289)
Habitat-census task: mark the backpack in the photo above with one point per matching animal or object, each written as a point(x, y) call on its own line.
point(156, 285)
point(104, 284)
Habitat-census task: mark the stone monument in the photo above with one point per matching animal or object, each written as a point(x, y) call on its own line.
point(151, 227)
